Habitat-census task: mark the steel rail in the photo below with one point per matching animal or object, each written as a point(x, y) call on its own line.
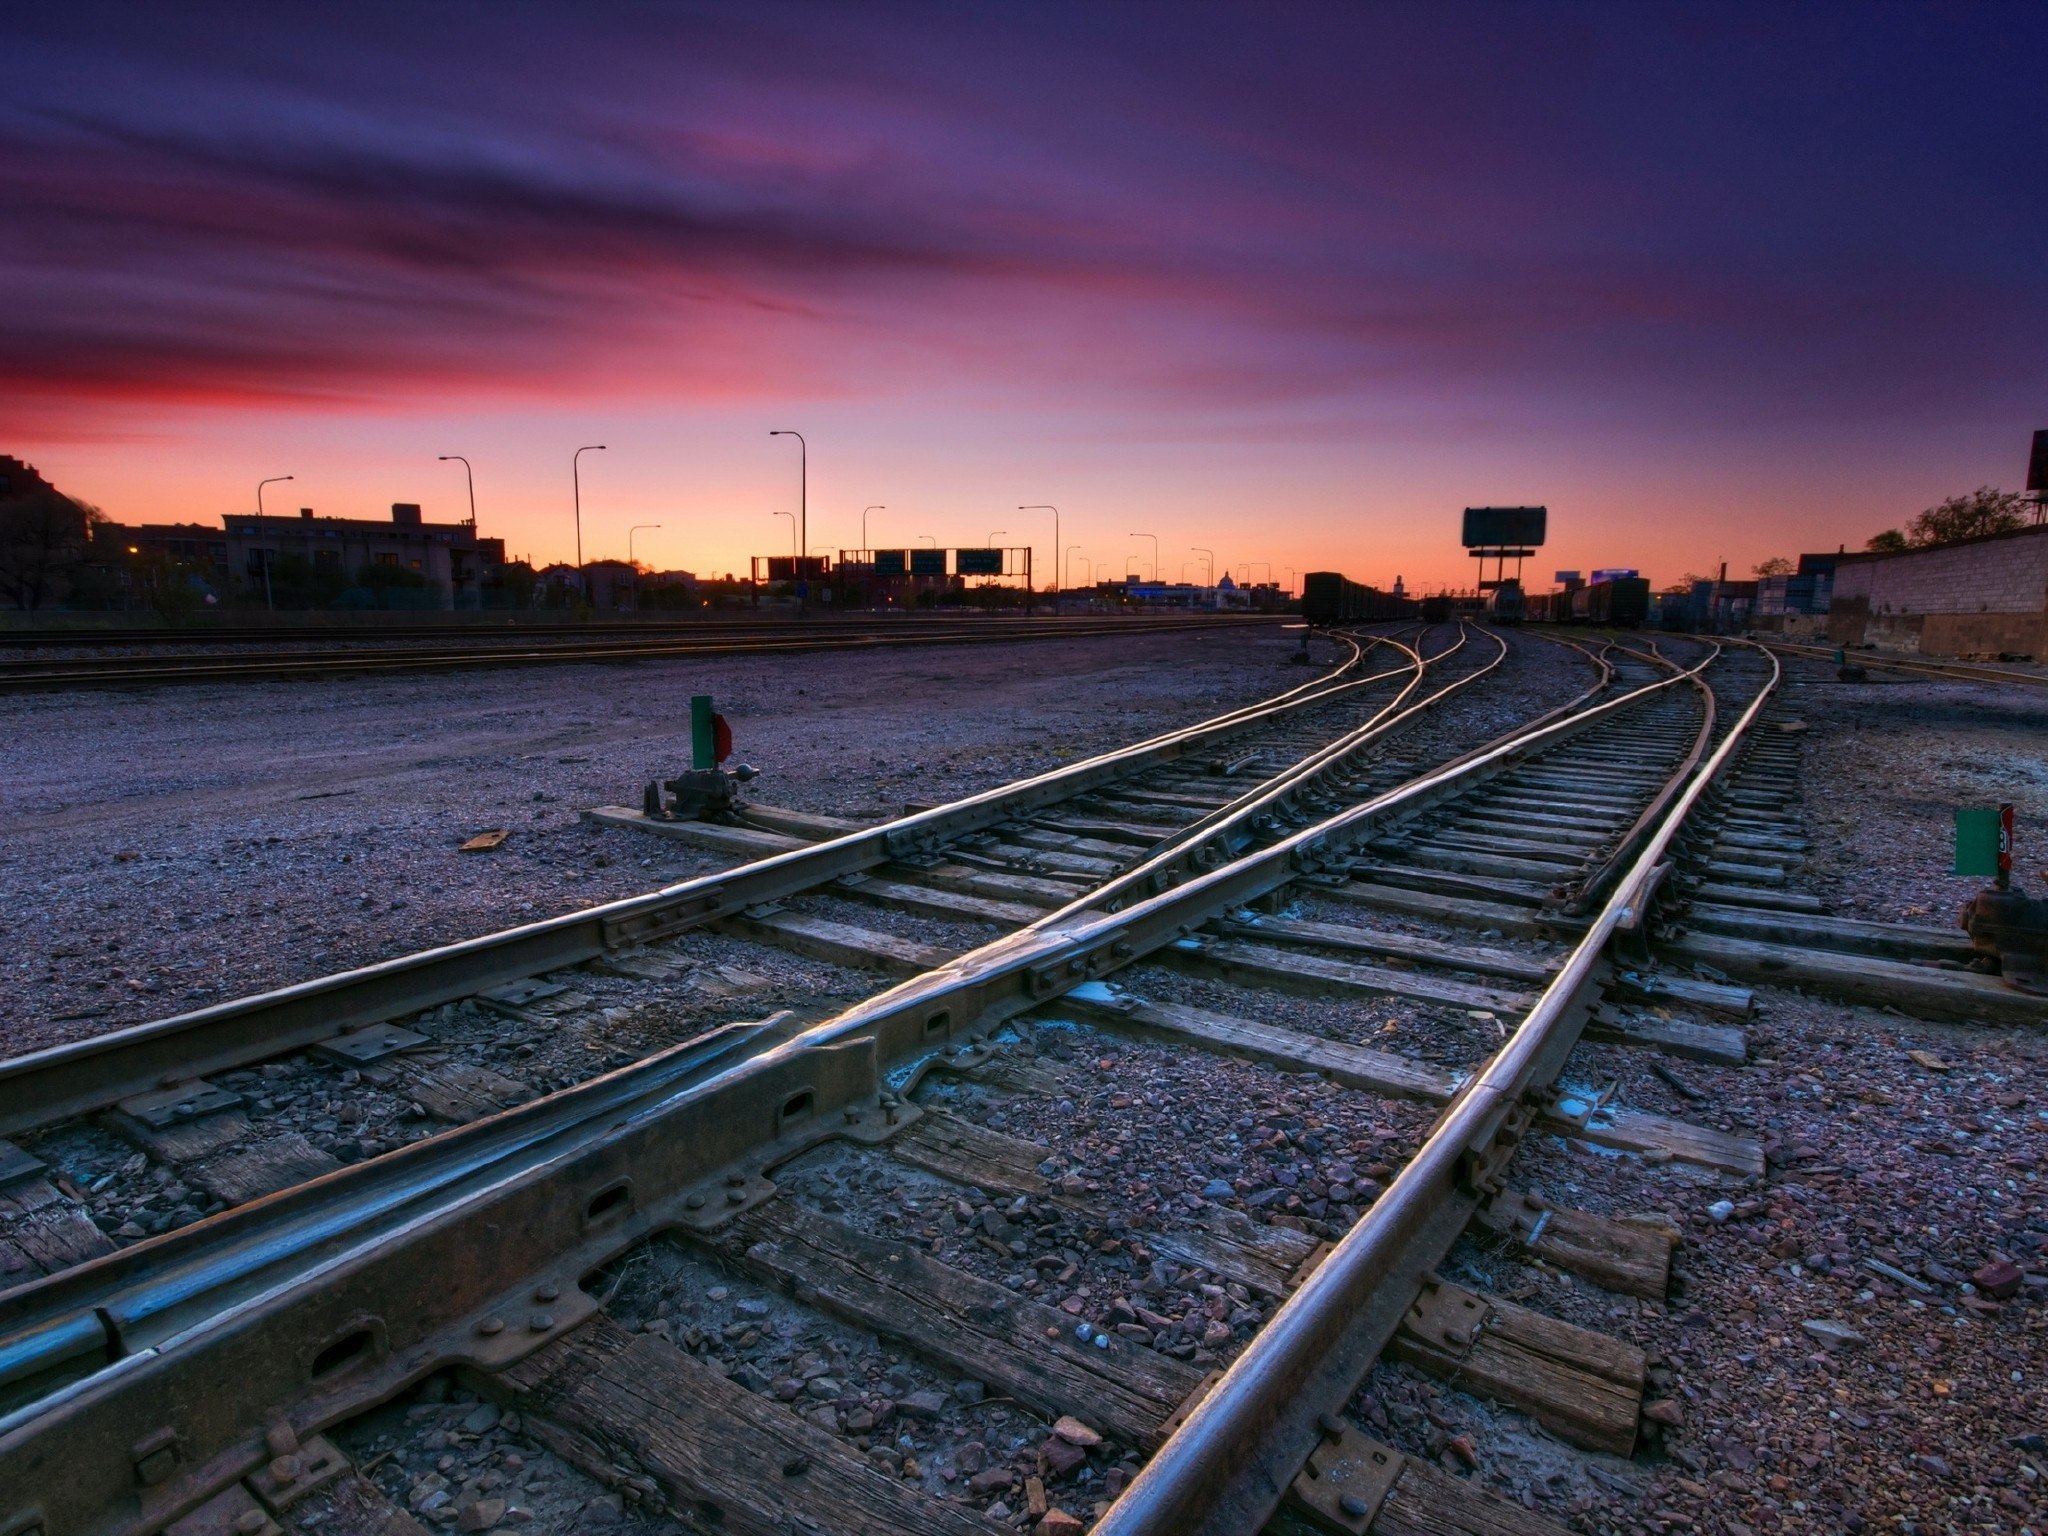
point(319, 648)
point(185, 668)
point(1961, 670)
point(79, 1076)
point(640, 1168)
point(1594, 884)
point(135, 1291)
point(1228, 1467)
point(455, 628)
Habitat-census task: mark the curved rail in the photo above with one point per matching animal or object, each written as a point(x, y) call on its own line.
point(1225, 1471)
point(83, 1075)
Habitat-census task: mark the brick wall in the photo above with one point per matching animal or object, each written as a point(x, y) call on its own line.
point(1987, 595)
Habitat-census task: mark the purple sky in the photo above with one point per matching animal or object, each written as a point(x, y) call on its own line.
point(1291, 282)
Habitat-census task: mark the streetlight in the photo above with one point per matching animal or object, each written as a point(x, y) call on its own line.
point(1059, 579)
point(273, 480)
point(997, 534)
point(1212, 560)
point(792, 534)
point(1155, 549)
point(636, 528)
point(864, 511)
point(469, 475)
point(934, 542)
point(576, 480)
point(803, 494)
point(1067, 565)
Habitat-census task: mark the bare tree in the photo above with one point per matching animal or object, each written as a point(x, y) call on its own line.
point(1777, 565)
point(43, 537)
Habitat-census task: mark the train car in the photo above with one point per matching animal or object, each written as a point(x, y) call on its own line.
point(1327, 598)
point(1622, 602)
point(1506, 604)
point(1542, 607)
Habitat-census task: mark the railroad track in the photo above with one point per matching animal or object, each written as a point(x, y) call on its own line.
point(307, 1307)
point(1954, 670)
point(186, 1091)
point(32, 673)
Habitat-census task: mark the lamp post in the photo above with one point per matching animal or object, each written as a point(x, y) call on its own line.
point(576, 482)
point(934, 542)
point(1059, 578)
point(1155, 549)
point(636, 528)
point(1212, 560)
point(792, 536)
point(273, 480)
point(268, 604)
point(1067, 564)
point(803, 502)
point(864, 511)
point(469, 476)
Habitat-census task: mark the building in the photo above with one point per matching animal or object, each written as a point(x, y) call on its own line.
point(19, 480)
point(1978, 597)
point(613, 585)
point(406, 562)
point(1796, 603)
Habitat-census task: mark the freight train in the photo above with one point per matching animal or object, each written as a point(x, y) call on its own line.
point(1622, 602)
point(1327, 598)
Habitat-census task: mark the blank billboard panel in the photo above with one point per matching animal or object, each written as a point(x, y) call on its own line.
point(1504, 527)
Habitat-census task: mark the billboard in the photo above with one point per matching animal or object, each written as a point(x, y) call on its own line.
point(1566, 576)
point(891, 562)
point(2037, 465)
point(786, 567)
point(978, 562)
point(927, 562)
point(1504, 527)
point(1619, 573)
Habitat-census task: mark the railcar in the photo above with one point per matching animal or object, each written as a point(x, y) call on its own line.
point(1506, 604)
point(1328, 598)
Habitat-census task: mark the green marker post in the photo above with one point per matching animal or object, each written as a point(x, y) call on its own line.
point(703, 734)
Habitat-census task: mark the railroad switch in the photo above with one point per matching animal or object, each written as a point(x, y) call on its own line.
point(707, 791)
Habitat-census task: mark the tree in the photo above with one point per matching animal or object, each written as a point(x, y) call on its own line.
point(1983, 511)
point(1890, 542)
point(1777, 565)
point(43, 539)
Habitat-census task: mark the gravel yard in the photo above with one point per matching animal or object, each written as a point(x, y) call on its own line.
point(170, 848)
point(1889, 761)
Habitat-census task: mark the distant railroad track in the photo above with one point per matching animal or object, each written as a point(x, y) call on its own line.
point(27, 674)
point(1959, 670)
point(1504, 902)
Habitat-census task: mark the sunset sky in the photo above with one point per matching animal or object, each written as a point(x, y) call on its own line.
point(1292, 282)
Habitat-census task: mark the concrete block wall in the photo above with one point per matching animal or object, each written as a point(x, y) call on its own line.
point(1991, 595)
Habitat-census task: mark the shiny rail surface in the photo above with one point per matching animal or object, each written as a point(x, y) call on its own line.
point(457, 1209)
point(80, 1076)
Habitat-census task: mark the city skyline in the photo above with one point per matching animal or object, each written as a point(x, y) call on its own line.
point(1296, 285)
